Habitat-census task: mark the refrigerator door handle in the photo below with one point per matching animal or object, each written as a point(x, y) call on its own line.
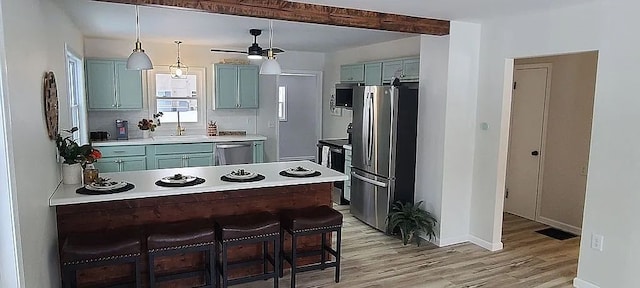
point(365, 128)
point(371, 121)
point(370, 181)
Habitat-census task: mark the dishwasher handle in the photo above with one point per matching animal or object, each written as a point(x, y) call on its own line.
point(230, 146)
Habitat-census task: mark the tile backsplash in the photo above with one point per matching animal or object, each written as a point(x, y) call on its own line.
point(242, 120)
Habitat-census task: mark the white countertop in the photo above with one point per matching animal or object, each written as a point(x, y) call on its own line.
point(146, 187)
point(179, 139)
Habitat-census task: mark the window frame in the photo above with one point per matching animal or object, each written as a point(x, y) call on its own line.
point(76, 89)
point(282, 92)
point(200, 73)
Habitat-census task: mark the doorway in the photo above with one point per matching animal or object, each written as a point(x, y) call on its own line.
point(300, 124)
point(549, 138)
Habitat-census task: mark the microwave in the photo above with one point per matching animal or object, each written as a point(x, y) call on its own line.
point(344, 95)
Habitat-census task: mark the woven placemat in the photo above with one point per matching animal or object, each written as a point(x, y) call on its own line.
point(198, 181)
point(286, 174)
point(85, 191)
point(260, 177)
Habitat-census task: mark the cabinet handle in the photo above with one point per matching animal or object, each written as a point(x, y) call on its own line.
point(118, 151)
point(113, 105)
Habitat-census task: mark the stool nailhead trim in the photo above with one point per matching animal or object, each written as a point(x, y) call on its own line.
point(101, 259)
point(318, 228)
point(182, 247)
point(251, 237)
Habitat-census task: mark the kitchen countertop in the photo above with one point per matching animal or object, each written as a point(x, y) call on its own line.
point(145, 182)
point(179, 139)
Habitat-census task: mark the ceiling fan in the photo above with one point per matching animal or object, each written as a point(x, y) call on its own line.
point(254, 51)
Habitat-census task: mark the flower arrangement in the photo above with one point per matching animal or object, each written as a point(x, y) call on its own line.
point(148, 124)
point(73, 153)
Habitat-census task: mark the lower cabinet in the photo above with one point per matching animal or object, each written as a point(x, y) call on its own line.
point(184, 160)
point(121, 164)
point(258, 151)
point(347, 170)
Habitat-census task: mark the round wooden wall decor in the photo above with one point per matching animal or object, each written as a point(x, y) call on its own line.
point(51, 104)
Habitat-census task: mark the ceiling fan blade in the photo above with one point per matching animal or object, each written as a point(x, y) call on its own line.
point(228, 51)
point(265, 52)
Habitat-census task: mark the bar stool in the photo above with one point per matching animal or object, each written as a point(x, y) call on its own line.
point(231, 231)
point(97, 249)
point(180, 238)
point(309, 221)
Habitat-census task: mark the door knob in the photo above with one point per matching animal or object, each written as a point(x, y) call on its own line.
point(535, 153)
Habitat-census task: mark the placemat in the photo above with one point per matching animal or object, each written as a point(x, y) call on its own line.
point(86, 191)
point(260, 177)
point(198, 181)
point(314, 174)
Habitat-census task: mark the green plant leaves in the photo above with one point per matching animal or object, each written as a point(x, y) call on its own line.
point(411, 220)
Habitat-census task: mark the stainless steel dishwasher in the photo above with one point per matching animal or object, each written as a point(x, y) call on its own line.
point(229, 153)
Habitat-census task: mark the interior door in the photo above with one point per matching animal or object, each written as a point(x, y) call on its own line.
point(526, 140)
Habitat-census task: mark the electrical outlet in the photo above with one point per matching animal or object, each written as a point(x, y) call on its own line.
point(271, 124)
point(597, 242)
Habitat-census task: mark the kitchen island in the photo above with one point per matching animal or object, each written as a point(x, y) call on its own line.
point(148, 204)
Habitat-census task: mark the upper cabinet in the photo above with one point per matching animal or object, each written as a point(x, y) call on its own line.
point(352, 73)
point(377, 73)
point(236, 86)
point(110, 86)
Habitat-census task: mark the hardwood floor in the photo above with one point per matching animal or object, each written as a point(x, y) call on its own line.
point(372, 259)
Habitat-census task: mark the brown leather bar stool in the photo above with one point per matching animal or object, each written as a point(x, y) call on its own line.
point(309, 221)
point(260, 227)
point(97, 249)
point(180, 238)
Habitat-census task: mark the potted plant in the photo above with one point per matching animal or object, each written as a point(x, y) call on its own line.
point(148, 125)
point(410, 220)
point(74, 156)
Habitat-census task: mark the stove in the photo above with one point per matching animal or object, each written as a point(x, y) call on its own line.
point(336, 162)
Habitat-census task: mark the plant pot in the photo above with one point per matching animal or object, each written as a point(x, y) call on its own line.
point(146, 134)
point(71, 174)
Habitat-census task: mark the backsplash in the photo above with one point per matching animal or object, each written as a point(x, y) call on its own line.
point(239, 120)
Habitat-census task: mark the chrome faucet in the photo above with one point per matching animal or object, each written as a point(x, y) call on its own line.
point(179, 130)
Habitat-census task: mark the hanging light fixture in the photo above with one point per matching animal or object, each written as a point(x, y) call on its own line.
point(178, 70)
point(138, 60)
point(270, 66)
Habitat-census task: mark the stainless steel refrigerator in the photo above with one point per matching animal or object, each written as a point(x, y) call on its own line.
point(384, 150)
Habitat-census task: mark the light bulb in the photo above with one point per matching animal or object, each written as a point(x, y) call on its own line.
point(178, 72)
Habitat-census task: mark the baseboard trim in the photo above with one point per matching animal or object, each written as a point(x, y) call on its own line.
point(560, 225)
point(579, 283)
point(451, 241)
point(493, 247)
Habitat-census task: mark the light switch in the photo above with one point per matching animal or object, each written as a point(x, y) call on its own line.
point(597, 242)
point(271, 124)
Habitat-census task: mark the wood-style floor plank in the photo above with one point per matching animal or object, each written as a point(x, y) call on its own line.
point(371, 259)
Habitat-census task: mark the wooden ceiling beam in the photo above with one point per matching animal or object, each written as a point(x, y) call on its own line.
point(307, 13)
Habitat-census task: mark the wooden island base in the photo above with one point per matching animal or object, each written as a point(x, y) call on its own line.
point(139, 213)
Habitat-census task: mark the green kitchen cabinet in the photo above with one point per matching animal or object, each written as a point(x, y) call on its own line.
point(110, 86)
point(169, 161)
point(121, 164)
point(390, 69)
point(258, 151)
point(373, 73)
point(181, 155)
point(236, 86)
point(411, 69)
point(352, 73)
point(199, 160)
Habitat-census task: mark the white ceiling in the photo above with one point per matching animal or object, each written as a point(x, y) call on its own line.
point(450, 9)
point(117, 21)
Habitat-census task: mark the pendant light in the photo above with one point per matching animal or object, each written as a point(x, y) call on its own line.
point(138, 60)
point(270, 66)
point(178, 70)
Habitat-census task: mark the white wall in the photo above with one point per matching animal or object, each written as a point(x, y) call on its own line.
point(612, 184)
point(568, 135)
point(35, 34)
point(267, 117)
point(335, 126)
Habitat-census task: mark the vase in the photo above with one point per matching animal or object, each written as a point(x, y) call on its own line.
point(146, 134)
point(71, 174)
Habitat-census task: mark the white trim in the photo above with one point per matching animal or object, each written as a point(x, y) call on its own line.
point(12, 267)
point(299, 158)
point(560, 225)
point(493, 247)
point(579, 283)
point(448, 241)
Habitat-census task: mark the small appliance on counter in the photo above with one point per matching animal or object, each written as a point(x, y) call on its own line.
point(122, 129)
point(99, 136)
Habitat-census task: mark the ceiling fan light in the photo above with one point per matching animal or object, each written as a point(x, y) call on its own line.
point(270, 67)
point(254, 57)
